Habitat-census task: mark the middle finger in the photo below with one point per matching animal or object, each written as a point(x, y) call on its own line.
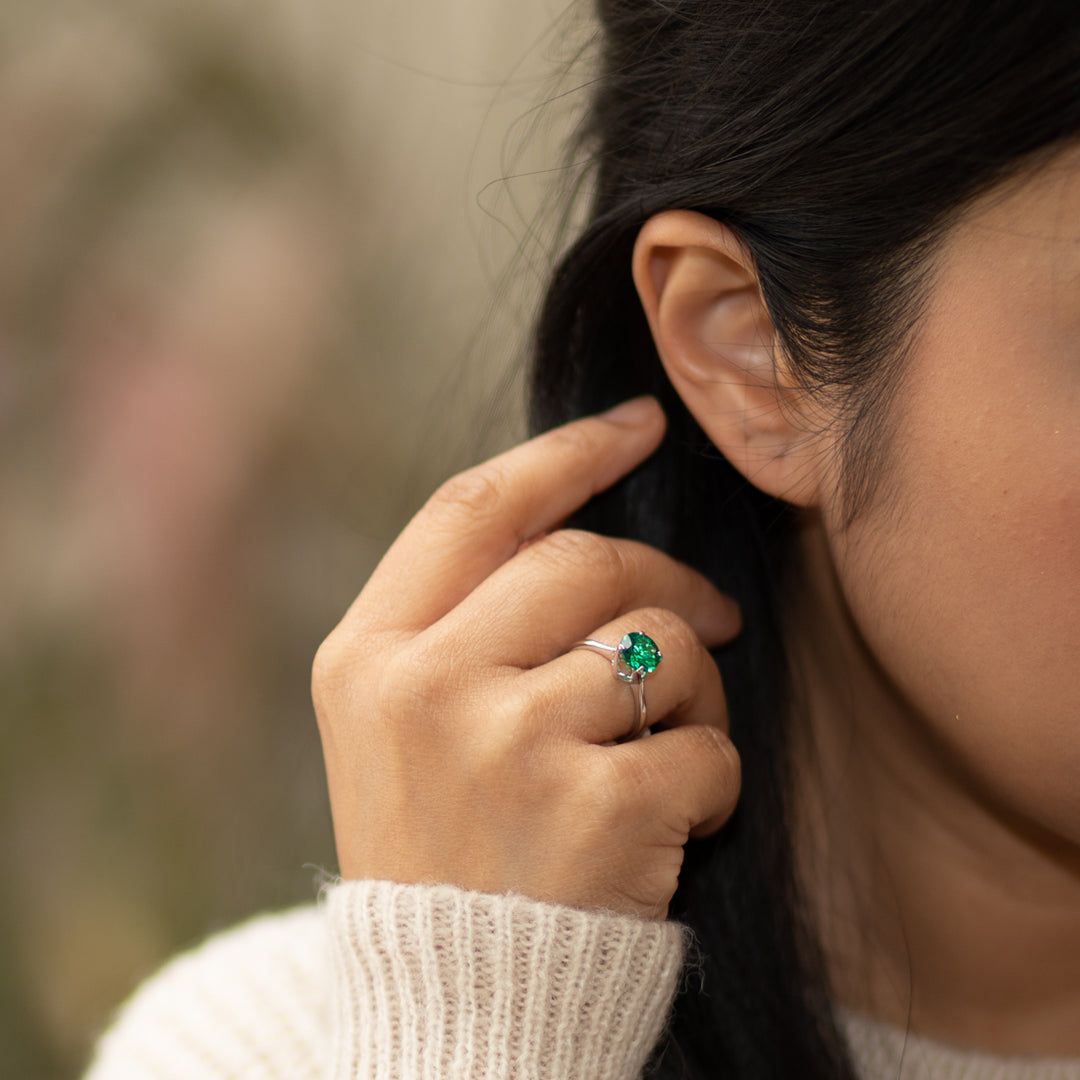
point(559, 589)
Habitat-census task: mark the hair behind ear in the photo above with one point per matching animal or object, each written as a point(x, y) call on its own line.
point(836, 149)
point(737, 888)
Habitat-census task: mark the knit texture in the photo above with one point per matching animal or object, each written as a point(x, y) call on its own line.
point(414, 982)
point(486, 987)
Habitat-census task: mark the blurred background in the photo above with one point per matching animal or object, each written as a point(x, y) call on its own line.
point(266, 272)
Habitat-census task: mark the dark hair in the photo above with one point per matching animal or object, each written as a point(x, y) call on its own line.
point(839, 140)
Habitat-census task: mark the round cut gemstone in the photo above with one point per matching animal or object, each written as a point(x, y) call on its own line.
point(638, 652)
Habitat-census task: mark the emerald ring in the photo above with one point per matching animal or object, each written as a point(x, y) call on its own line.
point(634, 658)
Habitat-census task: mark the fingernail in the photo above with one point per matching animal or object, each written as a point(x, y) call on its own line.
point(635, 411)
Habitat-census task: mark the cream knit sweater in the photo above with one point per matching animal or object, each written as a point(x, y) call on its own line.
point(384, 981)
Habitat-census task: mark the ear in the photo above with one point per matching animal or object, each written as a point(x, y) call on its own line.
point(700, 291)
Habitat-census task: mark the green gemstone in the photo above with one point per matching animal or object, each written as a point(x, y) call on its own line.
point(639, 652)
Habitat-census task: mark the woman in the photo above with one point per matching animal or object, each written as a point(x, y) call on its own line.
point(839, 244)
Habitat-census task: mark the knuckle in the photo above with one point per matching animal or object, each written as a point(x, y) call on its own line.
point(328, 668)
point(430, 684)
point(501, 749)
point(495, 752)
point(416, 680)
point(577, 548)
point(395, 684)
point(477, 492)
point(501, 732)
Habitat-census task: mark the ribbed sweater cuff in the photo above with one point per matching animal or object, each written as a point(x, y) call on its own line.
point(437, 983)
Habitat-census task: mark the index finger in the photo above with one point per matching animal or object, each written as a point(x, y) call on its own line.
point(479, 518)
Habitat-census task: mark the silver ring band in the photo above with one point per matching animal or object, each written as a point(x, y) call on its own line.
point(634, 658)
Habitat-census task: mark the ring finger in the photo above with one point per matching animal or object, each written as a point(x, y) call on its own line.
point(578, 693)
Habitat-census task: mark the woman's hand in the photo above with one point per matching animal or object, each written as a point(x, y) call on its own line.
point(467, 742)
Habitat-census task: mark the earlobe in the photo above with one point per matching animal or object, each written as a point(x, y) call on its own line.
point(699, 287)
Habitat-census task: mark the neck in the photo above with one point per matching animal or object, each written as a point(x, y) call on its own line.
point(938, 909)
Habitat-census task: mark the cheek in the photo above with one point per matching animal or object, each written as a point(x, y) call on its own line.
point(967, 587)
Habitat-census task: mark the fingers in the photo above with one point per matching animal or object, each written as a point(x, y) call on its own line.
point(480, 518)
point(579, 694)
point(561, 588)
point(692, 773)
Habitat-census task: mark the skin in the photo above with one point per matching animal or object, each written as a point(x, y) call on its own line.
point(935, 643)
point(937, 637)
point(955, 607)
point(467, 742)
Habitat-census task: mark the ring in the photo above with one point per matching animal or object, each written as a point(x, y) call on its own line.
point(635, 657)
